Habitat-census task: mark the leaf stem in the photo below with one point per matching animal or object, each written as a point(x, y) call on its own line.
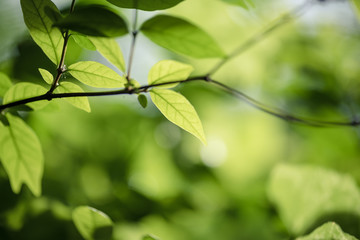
point(286, 18)
point(133, 42)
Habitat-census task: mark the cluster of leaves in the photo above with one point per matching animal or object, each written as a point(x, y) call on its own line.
point(95, 28)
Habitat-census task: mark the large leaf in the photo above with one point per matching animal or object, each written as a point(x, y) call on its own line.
point(330, 231)
point(241, 3)
point(95, 74)
point(167, 71)
point(94, 21)
point(79, 102)
point(145, 4)
point(21, 155)
point(49, 39)
point(5, 84)
point(181, 36)
point(177, 109)
point(25, 90)
point(110, 49)
point(304, 195)
point(83, 41)
point(92, 224)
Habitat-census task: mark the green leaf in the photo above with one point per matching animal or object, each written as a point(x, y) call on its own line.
point(21, 155)
point(168, 71)
point(49, 39)
point(110, 49)
point(25, 90)
point(177, 109)
point(329, 231)
point(92, 224)
point(142, 100)
point(94, 21)
point(149, 237)
point(304, 195)
point(145, 5)
point(79, 102)
point(83, 42)
point(5, 84)
point(95, 74)
point(241, 3)
point(180, 36)
point(46, 75)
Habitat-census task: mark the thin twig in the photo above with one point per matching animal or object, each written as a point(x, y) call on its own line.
point(134, 34)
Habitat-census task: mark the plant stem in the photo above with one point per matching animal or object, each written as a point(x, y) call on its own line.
point(133, 42)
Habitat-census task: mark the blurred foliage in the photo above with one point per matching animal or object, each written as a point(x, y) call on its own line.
point(150, 177)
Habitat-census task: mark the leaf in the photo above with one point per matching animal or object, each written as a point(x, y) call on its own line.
point(95, 74)
point(46, 75)
point(149, 237)
point(142, 100)
point(110, 49)
point(177, 109)
point(167, 71)
point(5, 84)
point(145, 5)
point(49, 39)
point(83, 42)
point(92, 223)
point(180, 36)
point(21, 155)
point(94, 20)
point(25, 90)
point(79, 102)
point(329, 231)
point(305, 194)
point(241, 3)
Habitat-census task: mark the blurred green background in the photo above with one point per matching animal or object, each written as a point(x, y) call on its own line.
point(150, 177)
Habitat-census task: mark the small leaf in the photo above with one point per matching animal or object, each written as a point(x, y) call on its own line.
point(49, 39)
point(145, 5)
point(110, 49)
point(21, 155)
point(305, 194)
point(94, 20)
point(241, 3)
point(79, 102)
point(142, 100)
point(83, 42)
point(149, 237)
point(329, 231)
point(168, 71)
point(25, 90)
point(177, 109)
point(180, 36)
point(92, 224)
point(46, 75)
point(5, 84)
point(95, 74)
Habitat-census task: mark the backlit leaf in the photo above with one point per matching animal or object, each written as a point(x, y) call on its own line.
point(330, 231)
point(49, 39)
point(149, 237)
point(145, 4)
point(5, 84)
point(79, 102)
point(94, 21)
point(177, 109)
point(46, 75)
point(24, 90)
point(167, 71)
point(305, 194)
point(21, 155)
point(96, 74)
point(110, 49)
point(84, 42)
point(241, 3)
point(92, 223)
point(181, 36)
